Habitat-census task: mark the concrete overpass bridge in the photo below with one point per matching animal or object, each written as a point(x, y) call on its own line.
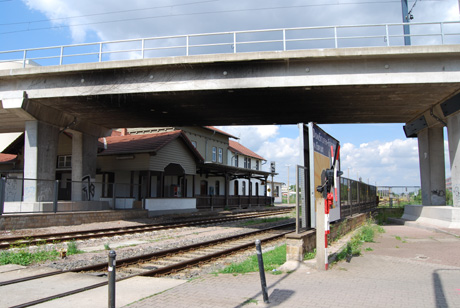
point(416, 85)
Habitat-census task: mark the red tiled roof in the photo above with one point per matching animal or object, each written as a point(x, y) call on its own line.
point(239, 149)
point(143, 143)
point(7, 158)
point(220, 131)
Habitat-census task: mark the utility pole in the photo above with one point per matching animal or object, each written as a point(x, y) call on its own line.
point(406, 19)
point(288, 190)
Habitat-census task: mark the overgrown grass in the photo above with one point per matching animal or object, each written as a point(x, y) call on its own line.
point(262, 221)
point(272, 260)
point(22, 254)
point(365, 235)
point(72, 248)
point(25, 257)
point(310, 255)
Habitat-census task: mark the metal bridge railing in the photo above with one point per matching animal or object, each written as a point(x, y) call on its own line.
point(282, 39)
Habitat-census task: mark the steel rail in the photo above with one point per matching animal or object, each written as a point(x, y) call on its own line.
point(166, 269)
point(97, 233)
point(133, 260)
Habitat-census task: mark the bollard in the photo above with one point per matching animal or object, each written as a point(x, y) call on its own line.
point(111, 278)
point(2, 194)
point(263, 282)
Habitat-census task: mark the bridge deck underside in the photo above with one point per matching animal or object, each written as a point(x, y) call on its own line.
point(352, 104)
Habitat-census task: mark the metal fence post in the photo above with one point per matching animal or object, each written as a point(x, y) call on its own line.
point(336, 40)
point(24, 59)
point(111, 274)
point(55, 199)
point(263, 282)
point(2, 194)
point(284, 46)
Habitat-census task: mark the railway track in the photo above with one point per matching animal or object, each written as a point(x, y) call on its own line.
point(167, 261)
point(8, 242)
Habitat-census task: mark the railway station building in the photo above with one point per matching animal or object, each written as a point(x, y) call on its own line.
point(160, 169)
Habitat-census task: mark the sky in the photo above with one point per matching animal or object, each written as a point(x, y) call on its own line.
point(378, 153)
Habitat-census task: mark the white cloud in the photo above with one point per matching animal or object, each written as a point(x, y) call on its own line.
point(252, 136)
point(387, 163)
point(144, 18)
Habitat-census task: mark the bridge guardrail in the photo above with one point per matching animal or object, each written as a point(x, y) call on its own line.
point(282, 39)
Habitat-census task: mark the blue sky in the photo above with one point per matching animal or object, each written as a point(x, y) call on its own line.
point(378, 153)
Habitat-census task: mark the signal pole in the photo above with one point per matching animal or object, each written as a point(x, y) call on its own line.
point(406, 19)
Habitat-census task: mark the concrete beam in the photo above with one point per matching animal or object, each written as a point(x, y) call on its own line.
point(432, 166)
point(367, 85)
point(40, 152)
point(84, 154)
point(453, 128)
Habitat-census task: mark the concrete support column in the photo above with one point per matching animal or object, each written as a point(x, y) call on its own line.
point(453, 130)
point(84, 154)
point(432, 166)
point(40, 153)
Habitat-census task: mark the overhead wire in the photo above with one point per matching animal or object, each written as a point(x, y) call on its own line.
point(181, 14)
point(105, 13)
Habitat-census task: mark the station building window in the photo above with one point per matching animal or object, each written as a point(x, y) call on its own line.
point(64, 161)
point(214, 154)
point(220, 157)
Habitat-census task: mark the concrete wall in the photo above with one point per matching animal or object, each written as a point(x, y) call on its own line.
point(170, 204)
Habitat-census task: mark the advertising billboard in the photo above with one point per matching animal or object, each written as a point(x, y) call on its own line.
point(319, 152)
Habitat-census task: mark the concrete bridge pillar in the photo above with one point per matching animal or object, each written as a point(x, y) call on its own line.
point(453, 129)
point(40, 152)
point(84, 155)
point(432, 166)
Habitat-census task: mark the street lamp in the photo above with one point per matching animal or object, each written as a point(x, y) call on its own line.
point(288, 194)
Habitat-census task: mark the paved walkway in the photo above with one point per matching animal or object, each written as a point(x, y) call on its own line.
point(407, 267)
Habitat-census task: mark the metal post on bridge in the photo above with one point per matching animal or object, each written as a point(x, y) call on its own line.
point(406, 18)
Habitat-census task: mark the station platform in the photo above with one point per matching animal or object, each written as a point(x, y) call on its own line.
point(43, 220)
point(407, 266)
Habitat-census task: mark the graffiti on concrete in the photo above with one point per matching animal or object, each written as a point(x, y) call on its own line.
point(88, 188)
point(456, 195)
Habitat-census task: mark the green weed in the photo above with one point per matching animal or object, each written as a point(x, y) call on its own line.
point(24, 257)
point(310, 255)
point(365, 234)
point(250, 301)
point(272, 260)
point(72, 248)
